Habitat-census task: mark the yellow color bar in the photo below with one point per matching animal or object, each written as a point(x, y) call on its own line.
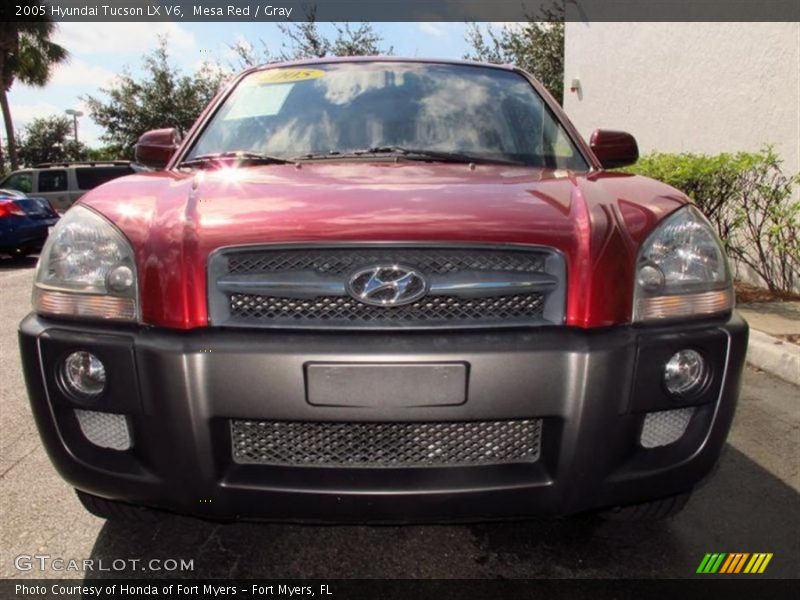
point(764, 564)
point(755, 563)
point(752, 562)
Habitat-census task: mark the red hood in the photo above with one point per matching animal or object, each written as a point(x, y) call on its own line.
point(175, 220)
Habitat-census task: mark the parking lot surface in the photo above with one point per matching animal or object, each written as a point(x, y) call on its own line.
point(750, 505)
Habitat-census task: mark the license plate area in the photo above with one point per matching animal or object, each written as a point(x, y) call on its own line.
point(386, 385)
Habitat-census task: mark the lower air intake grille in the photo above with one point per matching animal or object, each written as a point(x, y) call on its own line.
point(104, 429)
point(385, 444)
point(665, 427)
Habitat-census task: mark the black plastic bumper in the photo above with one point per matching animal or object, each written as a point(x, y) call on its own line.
point(179, 390)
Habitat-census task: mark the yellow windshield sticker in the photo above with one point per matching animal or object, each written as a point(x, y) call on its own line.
point(285, 76)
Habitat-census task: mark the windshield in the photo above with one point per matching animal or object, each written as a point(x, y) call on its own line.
point(336, 109)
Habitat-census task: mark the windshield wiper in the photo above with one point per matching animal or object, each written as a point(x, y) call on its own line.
point(410, 154)
point(241, 156)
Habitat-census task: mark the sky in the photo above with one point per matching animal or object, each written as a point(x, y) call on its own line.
point(99, 51)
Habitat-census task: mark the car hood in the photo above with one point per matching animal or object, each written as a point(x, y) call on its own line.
point(175, 220)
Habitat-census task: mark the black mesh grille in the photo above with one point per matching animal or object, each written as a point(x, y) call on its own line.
point(343, 309)
point(429, 260)
point(385, 444)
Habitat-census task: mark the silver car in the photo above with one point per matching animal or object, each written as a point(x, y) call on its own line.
point(63, 183)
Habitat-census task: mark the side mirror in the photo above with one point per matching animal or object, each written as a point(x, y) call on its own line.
point(614, 148)
point(156, 147)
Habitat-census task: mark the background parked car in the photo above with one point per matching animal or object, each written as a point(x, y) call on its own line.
point(24, 223)
point(63, 183)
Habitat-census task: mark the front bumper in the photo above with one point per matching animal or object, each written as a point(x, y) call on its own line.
point(179, 391)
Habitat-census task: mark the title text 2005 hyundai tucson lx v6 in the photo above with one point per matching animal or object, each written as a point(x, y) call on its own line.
point(383, 290)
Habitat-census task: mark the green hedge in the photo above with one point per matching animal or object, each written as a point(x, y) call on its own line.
point(749, 200)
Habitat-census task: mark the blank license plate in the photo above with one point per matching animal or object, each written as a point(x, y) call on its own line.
point(385, 385)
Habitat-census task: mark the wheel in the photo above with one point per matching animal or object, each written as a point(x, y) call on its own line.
point(653, 510)
point(113, 510)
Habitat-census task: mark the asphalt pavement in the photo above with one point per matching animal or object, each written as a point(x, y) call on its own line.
point(749, 505)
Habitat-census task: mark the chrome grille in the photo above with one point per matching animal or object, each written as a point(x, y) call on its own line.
point(431, 444)
point(308, 287)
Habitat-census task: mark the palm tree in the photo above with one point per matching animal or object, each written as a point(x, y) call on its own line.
point(27, 55)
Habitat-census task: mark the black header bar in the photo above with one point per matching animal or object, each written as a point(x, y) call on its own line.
point(402, 10)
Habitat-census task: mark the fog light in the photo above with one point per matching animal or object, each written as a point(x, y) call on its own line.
point(685, 372)
point(84, 375)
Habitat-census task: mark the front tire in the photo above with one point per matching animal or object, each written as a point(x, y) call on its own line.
point(654, 510)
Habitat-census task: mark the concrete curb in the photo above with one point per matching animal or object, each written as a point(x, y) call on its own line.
point(774, 356)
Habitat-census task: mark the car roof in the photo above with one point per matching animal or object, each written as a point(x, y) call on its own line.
point(84, 163)
point(379, 58)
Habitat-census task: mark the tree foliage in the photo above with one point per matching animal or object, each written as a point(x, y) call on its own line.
point(536, 46)
point(50, 139)
point(305, 39)
point(28, 55)
point(101, 153)
point(165, 97)
point(749, 199)
point(162, 97)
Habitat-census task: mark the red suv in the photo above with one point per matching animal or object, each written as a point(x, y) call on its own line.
point(383, 290)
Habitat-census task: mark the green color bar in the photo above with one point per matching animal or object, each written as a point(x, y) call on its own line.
point(718, 563)
point(710, 563)
point(701, 568)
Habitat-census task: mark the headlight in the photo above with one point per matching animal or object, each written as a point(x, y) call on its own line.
point(682, 270)
point(86, 269)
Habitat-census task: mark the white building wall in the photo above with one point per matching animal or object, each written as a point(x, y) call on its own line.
point(693, 87)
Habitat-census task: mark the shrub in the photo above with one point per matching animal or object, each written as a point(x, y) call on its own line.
point(749, 200)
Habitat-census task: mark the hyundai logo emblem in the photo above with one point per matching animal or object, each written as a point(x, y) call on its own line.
point(387, 285)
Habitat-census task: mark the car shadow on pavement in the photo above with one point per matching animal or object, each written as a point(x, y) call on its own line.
point(743, 508)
